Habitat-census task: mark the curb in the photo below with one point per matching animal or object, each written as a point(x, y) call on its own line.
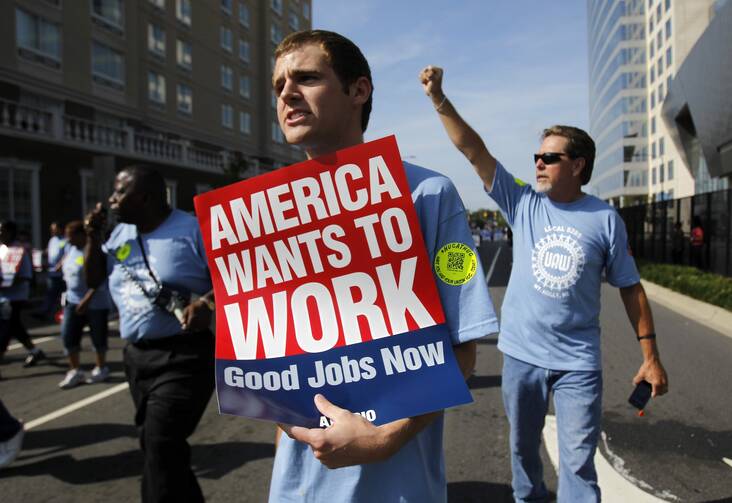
point(711, 316)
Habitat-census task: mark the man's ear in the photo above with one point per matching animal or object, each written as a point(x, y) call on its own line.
point(579, 166)
point(360, 91)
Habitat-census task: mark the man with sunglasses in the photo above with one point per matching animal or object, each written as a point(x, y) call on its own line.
point(550, 332)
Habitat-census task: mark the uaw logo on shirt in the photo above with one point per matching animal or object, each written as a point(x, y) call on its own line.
point(557, 261)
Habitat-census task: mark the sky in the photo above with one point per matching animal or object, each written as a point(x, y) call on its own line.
point(512, 68)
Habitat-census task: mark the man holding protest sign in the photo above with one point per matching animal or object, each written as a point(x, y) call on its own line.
point(155, 260)
point(550, 333)
point(324, 90)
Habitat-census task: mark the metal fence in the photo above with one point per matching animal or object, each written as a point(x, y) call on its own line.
point(651, 231)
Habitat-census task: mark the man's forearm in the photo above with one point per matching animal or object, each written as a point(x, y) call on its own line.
point(640, 316)
point(467, 141)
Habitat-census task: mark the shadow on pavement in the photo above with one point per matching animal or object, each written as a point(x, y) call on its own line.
point(213, 461)
point(478, 492)
point(478, 382)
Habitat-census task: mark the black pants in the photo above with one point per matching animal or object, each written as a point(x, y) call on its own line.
point(9, 426)
point(171, 381)
point(13, 327)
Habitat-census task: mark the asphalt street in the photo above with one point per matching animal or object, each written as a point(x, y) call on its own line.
point(675, 452)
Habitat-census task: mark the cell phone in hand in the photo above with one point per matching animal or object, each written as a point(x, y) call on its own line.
point(640, 396)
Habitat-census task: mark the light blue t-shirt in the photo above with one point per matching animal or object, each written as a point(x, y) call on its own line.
point(73, 270)
point(177, 258)
point(417, 472)
point(57, 247)
point(550, 315)
point(21, 289)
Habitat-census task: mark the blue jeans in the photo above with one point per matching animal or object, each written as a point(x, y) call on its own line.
point(578, 405)
point(73, 327)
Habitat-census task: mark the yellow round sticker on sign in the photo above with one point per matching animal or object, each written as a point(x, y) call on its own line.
point(79, 260)
point(455, 263)
point(123, 252)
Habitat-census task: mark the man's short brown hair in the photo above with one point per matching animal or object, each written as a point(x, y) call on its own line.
point(346, 59)
point(579, 144)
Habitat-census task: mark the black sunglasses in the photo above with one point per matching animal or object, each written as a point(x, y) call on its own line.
point(550, 157)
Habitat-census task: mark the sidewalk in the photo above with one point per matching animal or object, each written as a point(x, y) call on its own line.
point(711, 316)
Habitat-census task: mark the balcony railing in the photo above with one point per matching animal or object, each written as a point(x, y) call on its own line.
point(54, 127)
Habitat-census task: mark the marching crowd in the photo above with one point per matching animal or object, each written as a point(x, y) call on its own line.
point(152, 269)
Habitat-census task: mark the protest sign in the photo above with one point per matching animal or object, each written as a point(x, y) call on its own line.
point(323, 285)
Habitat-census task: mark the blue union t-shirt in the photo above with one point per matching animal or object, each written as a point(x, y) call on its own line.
point(176, 256)
point(550, 315)
point(417, 472)
point(73, 270)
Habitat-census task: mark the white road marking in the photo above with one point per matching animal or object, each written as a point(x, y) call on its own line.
point(616, 483)
point(493, 265)
point(75, 406)
point(727, 461)
point(35, 341)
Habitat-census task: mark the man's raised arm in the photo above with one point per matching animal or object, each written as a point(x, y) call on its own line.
point(461, 134)
point(95, 260)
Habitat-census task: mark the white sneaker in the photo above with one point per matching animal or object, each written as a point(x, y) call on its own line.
point(73, 378)
point(98, 375)
point(10, 448)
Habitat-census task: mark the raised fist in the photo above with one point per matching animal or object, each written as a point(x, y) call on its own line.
point(431, 79)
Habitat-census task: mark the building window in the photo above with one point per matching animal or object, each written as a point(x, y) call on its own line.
point(185, 99)
point(156, 39)
point(108, 65)
point(276, 6)
point(668, 83)
point(226, 6)
point(653, 99)
point(294, 20)
point(109, 12)
point(183, 11)
point(277, 135)
point(244, 51)
point(20, 195)
point(659, 13)
point(660, 92)
point(660, 66)
point(226, 39)
point(653, 151)
point(37, 35)
point(244, 87)
point(653, 176)
point(653, 74)
point(659, 40)
point(668, 29)
point(184, 54)
point(244, 15)
point(227, 77)
point(156, 87)
point(275, 33)
point(650, 25)
point(670, 170)
point(653, 125)
point(660, 173)
point(227, 116)
point(306, 10)
point(245, 122)
point(669, 58)
point(668, 5)
point(650, 49)
point(661, 147)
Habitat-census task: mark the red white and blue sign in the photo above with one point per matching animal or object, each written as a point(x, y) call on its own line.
point(323, 285)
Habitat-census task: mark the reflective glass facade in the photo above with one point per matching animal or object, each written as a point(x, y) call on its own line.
point(618, 97)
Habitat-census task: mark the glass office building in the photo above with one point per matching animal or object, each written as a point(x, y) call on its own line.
point(618, 99)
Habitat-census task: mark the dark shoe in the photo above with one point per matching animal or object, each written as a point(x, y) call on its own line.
point(33, 357)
